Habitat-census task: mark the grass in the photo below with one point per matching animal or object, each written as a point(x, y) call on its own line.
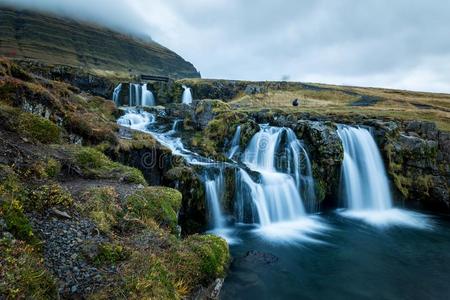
point(160, 204)
point(102, 206)
point(322, 99)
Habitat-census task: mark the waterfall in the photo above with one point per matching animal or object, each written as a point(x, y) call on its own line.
point(214, 189)
point(147, 96)
point(139, 95)
point(136, 119)
point(364, 182)
point(186, 98)
point(116, 94)
point(275, 195)
point(235, 143)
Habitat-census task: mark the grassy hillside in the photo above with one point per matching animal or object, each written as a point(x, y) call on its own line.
point(58, 41)
point(327, 99)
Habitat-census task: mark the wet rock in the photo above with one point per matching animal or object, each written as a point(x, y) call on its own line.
point(259, 257)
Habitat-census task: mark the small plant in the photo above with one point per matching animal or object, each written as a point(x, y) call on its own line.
point(47, 196)
point(111, 253)
point(16, 221)
point(22, 273)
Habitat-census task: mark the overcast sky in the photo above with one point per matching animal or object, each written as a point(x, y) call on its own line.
point(387, 43)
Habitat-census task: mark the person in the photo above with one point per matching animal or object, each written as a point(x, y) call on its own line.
point(295, 102)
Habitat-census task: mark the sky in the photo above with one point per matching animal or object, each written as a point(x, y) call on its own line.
point(397, 44)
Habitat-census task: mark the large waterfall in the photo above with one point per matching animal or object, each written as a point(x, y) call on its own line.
point(140, 95)
point(186, 98)
point(275, 155)
point(364, 181)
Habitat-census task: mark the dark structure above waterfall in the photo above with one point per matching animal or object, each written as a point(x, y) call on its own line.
point(52, 40)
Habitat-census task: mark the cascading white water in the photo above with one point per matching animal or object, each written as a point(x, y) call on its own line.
point(364, 180)
point(116, 94)
point(214, 189)
point(139, 95)
point(275, 196)
point(147, 98)
point(186, 98)
point(136, 119)
point(234, 148)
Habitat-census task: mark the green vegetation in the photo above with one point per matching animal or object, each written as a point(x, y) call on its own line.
point(46, 196)
point(95, 164)
point(30, 126)
point(22, 273)
point(98, 50)
point(102, 206)
point(160, 204)
point(111, 253)
point(174, 272)
point(12, 193)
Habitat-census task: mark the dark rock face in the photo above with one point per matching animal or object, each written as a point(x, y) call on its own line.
point(419, 162)
point(325, 149)
point(192, 216)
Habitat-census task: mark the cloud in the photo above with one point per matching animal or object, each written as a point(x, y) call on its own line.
point(398, 44)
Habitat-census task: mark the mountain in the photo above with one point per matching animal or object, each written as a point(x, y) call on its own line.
point(53, 40)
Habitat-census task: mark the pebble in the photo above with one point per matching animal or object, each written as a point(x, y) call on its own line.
point(63, 241)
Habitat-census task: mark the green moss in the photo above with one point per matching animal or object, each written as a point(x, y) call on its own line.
point(160, 204)
point(102, 206)
point(111, 253)
point(173, 273)
point(209, 253)
point(22, 273)
point(46, 196)
point(95, 164)
point(38, 128)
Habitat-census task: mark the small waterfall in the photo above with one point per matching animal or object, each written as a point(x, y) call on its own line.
point(234, 148)
point(214, 189)
point(186, 98)
point(116, 94)
point(275, 195)
point(364, 182)
point(136, 119)
point(139, 95)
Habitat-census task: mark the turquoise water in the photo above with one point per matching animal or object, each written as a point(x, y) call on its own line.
point(349, 260)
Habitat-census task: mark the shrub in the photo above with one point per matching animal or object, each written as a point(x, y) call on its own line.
point(46, 196)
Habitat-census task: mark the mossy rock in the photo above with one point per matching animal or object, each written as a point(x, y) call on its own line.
point(30, 126)
point(94, 164)
point(211, 254)
point(160, 204)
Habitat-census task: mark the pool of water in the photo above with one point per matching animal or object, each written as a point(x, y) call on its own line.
point(346, 259)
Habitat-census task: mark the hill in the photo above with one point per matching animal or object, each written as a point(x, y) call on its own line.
point(60, 41)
